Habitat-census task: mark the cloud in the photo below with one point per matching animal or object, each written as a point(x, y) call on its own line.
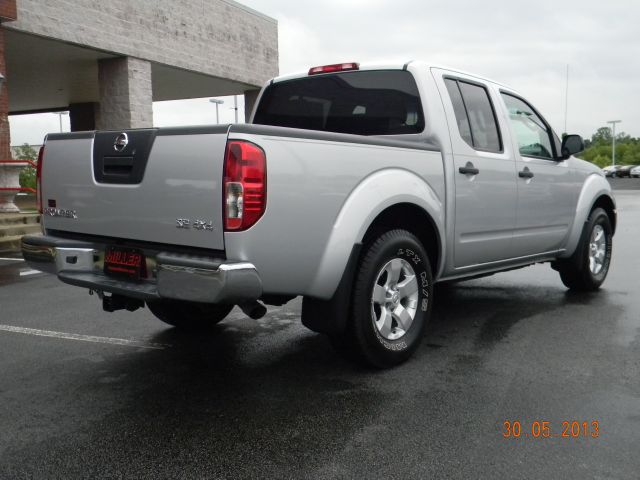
point(309, 45)
point(524, 44)
point(197, 111)
point(31, 129)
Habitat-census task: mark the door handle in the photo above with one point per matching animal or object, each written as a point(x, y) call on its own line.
point(469, 169)
point(526, 173)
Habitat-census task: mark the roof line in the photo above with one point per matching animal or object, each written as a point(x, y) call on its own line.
point(233, 3)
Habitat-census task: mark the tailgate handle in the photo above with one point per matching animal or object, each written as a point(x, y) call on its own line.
point(121, 166)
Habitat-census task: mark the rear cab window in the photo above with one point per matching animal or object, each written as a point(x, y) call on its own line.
point(379, 102)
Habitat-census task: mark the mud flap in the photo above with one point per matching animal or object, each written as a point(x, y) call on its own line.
point(331, 316)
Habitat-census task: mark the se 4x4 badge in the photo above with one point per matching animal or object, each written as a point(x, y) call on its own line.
point(187, 224)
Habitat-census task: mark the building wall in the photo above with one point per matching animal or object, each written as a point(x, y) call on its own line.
point(5, 135)
point(214, 37)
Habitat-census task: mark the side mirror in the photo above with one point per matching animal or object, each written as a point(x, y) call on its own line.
point(571, 144)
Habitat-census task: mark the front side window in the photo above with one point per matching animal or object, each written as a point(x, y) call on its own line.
point(474, 115)
point(384, 102)
point(534, 139)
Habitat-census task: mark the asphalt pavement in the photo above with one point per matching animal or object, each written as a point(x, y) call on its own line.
point(86, 394)
point(626, 183)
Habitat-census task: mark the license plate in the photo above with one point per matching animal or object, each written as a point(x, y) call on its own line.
point(124, 262)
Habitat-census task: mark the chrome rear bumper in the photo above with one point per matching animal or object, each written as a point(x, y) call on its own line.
point(171, 275)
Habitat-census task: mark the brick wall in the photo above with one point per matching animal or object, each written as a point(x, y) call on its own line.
point(5, 136)
point(8, 9)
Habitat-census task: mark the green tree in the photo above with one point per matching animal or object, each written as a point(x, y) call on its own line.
point(26, 152)
point(598, 150)
point(623, 138)
point(601, 161)
point(28, 174)
point(602, 136)
point(632, 154)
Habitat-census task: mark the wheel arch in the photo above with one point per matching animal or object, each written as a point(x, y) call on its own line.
point(410, 217)
point(330, 316)
point(596, 192)
point(388, 199)
point(396, 198)
point(607, 204)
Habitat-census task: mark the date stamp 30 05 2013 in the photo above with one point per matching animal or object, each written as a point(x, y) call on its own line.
point(545, 429)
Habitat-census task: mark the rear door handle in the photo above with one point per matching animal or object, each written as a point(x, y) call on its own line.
point(526, 173)
point(469, 169)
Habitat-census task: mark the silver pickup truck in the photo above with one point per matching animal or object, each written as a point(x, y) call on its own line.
point(357, 187)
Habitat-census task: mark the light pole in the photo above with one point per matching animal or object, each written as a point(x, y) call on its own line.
point(613, 143)
point(60, 114)
point(218, 103)
point(235, 106)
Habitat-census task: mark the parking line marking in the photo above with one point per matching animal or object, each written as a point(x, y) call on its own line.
point(12, 259)
point(29, 272)
point(84, 338)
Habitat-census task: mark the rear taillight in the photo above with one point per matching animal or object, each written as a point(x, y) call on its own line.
point(39, 179)
point(336, 67)
point(245, 184)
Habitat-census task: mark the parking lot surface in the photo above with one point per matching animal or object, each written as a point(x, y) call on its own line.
point(86, 394)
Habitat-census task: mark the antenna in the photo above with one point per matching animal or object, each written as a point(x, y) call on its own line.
point(566, 100)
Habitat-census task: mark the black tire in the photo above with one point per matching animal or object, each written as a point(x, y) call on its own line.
point(376, 345)
point(581, 272)
point(189, 315)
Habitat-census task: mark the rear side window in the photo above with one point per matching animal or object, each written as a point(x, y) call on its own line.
point(460, 111)
point(475, 115)
point(382, 102)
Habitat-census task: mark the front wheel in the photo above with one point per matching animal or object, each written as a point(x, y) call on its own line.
point(391, 301)
point(189, 315)
point(587, 268)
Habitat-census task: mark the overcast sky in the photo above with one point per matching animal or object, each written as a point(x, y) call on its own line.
point(524, 44)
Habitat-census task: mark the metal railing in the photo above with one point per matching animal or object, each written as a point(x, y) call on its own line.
point(18, 189)
point(30, 162)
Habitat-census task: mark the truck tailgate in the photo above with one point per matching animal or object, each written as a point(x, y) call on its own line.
point(163, 186)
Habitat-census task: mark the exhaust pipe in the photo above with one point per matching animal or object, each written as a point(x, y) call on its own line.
point(118, 302)
point(253, 309)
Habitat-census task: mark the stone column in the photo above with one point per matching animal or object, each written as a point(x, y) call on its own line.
point(125, 94)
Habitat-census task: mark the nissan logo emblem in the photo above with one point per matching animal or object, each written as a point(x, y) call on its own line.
point(121, 142)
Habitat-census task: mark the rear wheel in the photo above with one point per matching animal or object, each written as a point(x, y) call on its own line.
point(189, 315)
point(391, 301)
point(587, 268)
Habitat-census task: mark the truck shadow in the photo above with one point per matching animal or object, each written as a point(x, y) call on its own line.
point(492, 310)
point(268, 397)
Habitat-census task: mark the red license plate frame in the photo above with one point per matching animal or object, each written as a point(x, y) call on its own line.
point(124, 262)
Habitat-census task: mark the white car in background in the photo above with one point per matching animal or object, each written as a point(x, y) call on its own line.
point(635, 172)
